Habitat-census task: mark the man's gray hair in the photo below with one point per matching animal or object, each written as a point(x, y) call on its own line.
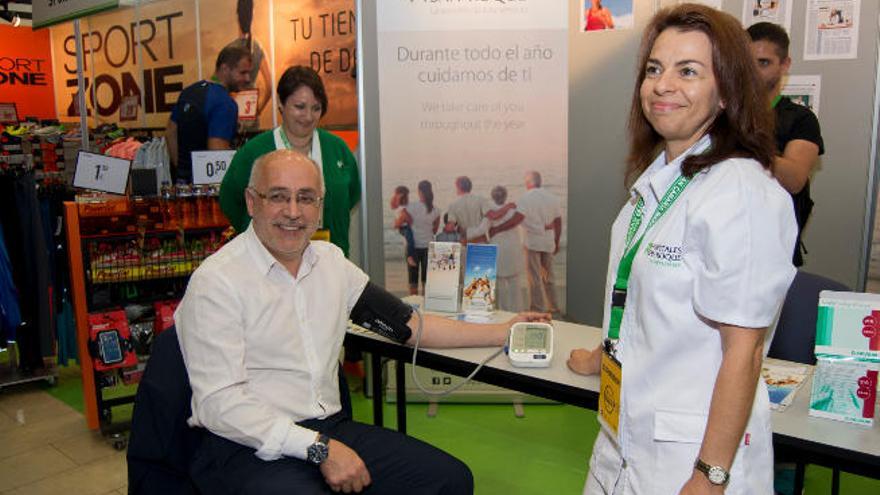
point(534, 177)
point(257, 169)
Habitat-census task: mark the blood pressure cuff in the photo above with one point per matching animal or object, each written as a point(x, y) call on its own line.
point(379, 311)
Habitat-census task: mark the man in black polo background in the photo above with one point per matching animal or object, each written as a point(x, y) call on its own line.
point(798, 136)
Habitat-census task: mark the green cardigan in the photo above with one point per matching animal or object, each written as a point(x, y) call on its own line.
point(341, 182)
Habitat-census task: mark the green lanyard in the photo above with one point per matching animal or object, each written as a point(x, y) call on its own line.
point(284, 139)
point(618, 297)
point(775, 101)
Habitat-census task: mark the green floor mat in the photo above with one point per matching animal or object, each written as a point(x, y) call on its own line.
point(545, 452)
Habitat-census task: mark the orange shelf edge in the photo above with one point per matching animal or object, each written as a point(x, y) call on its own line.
point(80, 312)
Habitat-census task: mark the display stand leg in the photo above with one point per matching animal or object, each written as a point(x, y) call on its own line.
point(800, 470)
point(376, 365)
point(400, 382)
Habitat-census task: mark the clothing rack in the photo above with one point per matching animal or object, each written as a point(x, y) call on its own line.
point(10, 374)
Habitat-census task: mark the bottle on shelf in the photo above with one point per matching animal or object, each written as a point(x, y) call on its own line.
point(217, 216)
point(170, 211)
point(188, 213)
point(203, 206)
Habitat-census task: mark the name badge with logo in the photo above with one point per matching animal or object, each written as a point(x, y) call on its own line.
point(610, 373)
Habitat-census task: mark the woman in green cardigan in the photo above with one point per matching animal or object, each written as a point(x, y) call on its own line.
point(303, 101)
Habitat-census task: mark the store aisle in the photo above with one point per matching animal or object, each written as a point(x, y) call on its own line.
point(45, 448)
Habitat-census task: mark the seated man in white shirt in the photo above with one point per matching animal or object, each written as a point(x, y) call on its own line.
point(261, 327)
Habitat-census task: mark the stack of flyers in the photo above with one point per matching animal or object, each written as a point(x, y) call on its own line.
point(783, 380)
point(443, 275)
point(478, 293)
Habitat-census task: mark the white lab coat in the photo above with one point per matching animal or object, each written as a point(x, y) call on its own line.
point(722, 253)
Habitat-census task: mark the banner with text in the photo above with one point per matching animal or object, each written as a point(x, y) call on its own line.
point(26, 72)
point(151, 50)
point(321, 34)
point(148, 52)
point(476, 95)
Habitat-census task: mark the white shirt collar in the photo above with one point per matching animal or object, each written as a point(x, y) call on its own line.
point(266, 262)
point(315, 154)
point(657, 178)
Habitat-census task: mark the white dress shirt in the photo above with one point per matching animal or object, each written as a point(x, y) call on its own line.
point(261, 347)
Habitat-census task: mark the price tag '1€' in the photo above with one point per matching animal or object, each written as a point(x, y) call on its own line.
point(209, 167)
point(101, 172)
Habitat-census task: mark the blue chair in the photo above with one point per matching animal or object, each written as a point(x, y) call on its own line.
point(162, 445)
point(795, 338)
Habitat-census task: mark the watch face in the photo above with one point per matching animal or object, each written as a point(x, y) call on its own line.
point(717, 476)
point(317, 453)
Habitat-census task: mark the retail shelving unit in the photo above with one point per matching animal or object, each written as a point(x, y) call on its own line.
point(118, 258)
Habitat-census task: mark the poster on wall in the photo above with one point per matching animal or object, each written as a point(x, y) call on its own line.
point(242, 23)
point(804, 90)
point(151, 57)
point(26, 72)
point(775, 11)
point(474, 136)
point(601, 15)
point(48, 12)
point(715, 4)
point(321, 34)
point(832, 29)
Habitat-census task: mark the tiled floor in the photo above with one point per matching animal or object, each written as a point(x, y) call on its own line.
point(45, 448)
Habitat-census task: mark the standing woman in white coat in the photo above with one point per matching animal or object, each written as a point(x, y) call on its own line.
point(698, 269)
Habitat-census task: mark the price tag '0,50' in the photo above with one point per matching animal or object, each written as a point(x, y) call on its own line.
point(209, 167)
point(101, 172)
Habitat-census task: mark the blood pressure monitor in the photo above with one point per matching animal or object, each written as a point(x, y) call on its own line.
point(530, 345)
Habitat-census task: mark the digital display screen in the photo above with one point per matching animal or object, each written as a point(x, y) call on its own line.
point(536, 338)
point(532, 338)
point(109, 347)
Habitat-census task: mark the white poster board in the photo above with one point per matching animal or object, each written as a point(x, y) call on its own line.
point(775, 11)
point(832, 29)
point(804, 90)
point(209, 167)
point(101, 173)
point(471, 90)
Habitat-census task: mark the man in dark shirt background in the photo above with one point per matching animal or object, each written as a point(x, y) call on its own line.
point(798, 137)
point(205, 116)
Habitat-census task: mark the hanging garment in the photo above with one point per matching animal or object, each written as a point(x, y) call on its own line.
point(22, 223)
point(10, 315)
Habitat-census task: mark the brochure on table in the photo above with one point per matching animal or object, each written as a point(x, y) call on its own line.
point(847, 357)
point(783, 381)
point(848, 324)
point(844, 389)
point(442, 284)
point(478, 292)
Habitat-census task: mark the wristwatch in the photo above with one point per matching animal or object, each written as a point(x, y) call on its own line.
point(318, 451)
point(717, 475)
